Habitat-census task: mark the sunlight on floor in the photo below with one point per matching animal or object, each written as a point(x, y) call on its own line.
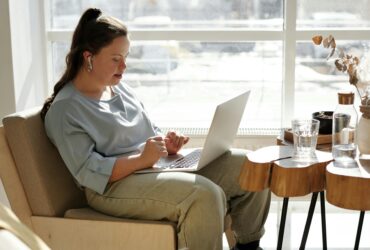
point(341, 227)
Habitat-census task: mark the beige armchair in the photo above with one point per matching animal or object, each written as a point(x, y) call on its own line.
point(44, 196)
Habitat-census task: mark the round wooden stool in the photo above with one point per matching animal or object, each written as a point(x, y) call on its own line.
point(350, 188)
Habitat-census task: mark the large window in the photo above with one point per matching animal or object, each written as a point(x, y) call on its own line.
point(188, 56)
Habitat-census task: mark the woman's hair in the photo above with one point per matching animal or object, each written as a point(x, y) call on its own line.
point(93, 32)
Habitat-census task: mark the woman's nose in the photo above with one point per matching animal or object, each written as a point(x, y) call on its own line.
point(123, 65)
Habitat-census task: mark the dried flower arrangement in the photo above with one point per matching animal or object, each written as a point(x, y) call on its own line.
point(343, 62)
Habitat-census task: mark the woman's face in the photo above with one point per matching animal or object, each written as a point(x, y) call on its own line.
point(110, 63)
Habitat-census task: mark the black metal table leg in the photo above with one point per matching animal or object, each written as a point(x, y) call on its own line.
point(323, 220)
point(308, 221)
point(359, 228)
point(282, 223)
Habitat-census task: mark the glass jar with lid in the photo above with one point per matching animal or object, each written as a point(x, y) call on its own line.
point(344, 137)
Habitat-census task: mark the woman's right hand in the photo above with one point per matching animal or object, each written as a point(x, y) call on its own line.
point(155, 148)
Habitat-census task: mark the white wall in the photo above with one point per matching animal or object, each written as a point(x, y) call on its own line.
point(22, 57)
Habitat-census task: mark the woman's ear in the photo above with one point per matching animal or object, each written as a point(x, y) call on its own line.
point(88, 58)
point(86, 54)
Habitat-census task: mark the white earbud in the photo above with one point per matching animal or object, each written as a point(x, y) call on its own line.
point(89, 64)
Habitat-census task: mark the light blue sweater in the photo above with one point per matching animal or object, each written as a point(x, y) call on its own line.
point(90, 134)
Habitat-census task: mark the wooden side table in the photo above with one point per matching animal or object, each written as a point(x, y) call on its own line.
point(350, 188)
point(273, 167)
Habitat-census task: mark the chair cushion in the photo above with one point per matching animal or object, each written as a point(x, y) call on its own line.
point(49, 187)
point(88, 213)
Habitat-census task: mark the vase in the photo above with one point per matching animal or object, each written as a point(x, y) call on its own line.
point(363, 131)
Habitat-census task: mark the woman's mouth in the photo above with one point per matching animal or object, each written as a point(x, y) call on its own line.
point(119, 76)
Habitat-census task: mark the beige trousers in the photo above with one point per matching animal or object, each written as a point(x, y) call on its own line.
point(196, 202)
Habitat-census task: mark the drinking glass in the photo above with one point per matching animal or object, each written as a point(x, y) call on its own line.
point(305, 134)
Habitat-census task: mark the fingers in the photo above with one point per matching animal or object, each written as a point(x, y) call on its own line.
point(171, 134)
point(161, 147)
point(180, 141)
point(163, 153)
point(174, 141)
point(177, 139)
point(158, 145)
point(156, 138)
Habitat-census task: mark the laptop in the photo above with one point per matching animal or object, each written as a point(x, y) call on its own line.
point(222, 131)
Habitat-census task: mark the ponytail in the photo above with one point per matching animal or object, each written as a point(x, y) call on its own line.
point(79, 35)
point(92, 33)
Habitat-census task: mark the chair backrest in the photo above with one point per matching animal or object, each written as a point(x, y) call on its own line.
point(49, 187)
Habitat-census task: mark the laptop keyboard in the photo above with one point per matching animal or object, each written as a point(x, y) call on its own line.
point(183, 162)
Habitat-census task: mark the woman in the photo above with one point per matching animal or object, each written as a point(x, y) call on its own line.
point(99, 127)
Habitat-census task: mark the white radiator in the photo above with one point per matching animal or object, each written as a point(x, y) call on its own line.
point(247, 138)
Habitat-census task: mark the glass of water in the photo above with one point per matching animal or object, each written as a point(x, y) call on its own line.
point(305, 134)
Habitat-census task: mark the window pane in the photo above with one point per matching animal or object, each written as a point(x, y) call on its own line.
point(180, 83)
point(318, 81)
point(175, 13)
point(333, 14)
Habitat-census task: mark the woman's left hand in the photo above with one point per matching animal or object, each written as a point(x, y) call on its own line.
point(174, 142)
